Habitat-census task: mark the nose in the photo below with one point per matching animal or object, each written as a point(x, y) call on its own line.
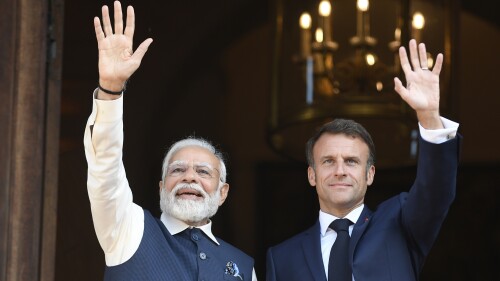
point(339, 170)
point(190, 175)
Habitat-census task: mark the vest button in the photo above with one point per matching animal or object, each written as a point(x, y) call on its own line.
point(195, 237)
point(203, 256)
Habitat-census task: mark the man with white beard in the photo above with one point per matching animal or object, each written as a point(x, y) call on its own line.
point(180, 244)
point(188, 201)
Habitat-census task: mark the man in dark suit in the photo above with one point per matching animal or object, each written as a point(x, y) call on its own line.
point(392, 242)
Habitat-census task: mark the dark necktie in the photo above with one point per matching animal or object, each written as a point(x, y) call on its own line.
point(338, 265)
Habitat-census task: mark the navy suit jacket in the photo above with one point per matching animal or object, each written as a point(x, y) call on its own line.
point(390, 243)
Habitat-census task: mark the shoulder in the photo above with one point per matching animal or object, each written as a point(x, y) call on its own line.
point(296, 241)
point(386, 210)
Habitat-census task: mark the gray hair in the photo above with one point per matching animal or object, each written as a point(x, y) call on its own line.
point(193, 141)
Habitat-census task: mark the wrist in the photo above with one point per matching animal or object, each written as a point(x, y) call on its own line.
point(109, 92)
point(430, 120)
point(115, 85)
point(104, 93)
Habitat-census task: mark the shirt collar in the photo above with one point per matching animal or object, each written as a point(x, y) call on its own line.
point(175, 226)
point(326, 219)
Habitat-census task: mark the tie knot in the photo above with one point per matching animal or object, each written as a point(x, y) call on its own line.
point(340, 225)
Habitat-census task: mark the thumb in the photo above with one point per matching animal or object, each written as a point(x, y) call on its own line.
point(142, 49)
point(400, 89)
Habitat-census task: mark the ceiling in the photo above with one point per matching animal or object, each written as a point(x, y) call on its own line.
point(487, 10)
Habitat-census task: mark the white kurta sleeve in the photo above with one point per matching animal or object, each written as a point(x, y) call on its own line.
point(118, 222)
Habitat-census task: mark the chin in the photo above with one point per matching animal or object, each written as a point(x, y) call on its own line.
point(191, 210)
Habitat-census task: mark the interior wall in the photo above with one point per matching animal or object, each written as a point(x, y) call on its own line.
point(29, 134)
point(212, 79)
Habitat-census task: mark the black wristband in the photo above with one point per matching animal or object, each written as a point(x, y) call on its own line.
point(110, 92)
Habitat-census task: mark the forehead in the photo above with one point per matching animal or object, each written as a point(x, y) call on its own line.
point(329, 144)
point(195, 154)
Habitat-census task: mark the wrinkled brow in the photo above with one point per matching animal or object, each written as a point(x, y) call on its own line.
point(196, 164)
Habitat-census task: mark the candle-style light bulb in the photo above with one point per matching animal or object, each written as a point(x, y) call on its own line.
point(430, 61)
point(370, 59)
point(325, 12)
point(397, 34)
point(362, 20)
point(305, 21)
point(418, 23)
point(305, 34)
point(325, 8)
point(319, 35)
point(379, 85)
point(363, 5)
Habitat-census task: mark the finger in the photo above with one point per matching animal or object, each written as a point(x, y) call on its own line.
point(118, 18)
point(405, 64)
point(423, 56)
point(141, 50)
point(130, 27)
point(414, 55)
point(400, 89)
point(106, 22)
point(438, 65)
point(99, 34)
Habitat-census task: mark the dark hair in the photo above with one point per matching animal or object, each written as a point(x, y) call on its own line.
point(345, 127)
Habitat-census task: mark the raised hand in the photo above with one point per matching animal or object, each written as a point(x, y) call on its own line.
point(422, 84)
point(117, 60)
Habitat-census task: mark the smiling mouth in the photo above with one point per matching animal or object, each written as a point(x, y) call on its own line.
point(340, 185)
point(189, 194)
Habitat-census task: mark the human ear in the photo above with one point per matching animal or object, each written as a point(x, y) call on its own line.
point(224, 190)
point(311, 176)
point(370, 175)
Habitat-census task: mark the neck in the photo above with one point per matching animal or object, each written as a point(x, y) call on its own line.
point(341, 213)
point(197, 223)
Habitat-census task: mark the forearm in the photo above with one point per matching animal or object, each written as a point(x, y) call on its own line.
point(428, 202)
point(430, 120)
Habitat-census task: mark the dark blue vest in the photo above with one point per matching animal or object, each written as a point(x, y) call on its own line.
point(189, 255)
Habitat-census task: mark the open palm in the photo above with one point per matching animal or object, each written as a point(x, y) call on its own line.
point(422, 85)
point(117, 60)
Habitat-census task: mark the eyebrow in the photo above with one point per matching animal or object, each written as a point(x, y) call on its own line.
point(177, 162)
point(347, 157)
point(323, 158)
point(203, 164)
point(352, 157)
point(197, 164)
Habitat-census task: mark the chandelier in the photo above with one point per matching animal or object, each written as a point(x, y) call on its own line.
point(338, 58)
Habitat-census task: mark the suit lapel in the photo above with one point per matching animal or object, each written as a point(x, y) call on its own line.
point(311, 247)
point(359, 229)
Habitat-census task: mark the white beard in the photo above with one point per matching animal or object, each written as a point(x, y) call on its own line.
point(189, 210)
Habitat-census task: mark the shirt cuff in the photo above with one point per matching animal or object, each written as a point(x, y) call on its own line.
point(108, 110)
point(440, 135)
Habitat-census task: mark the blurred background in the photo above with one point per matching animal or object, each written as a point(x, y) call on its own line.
point(245, 75)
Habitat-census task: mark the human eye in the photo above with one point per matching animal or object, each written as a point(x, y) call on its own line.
point(351, 161)
point(327, 161)
point(204, 172)
point(177, 170)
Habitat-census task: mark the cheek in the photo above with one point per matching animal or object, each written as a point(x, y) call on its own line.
point(322, 176)
point(169, 184)
point(211, 188)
